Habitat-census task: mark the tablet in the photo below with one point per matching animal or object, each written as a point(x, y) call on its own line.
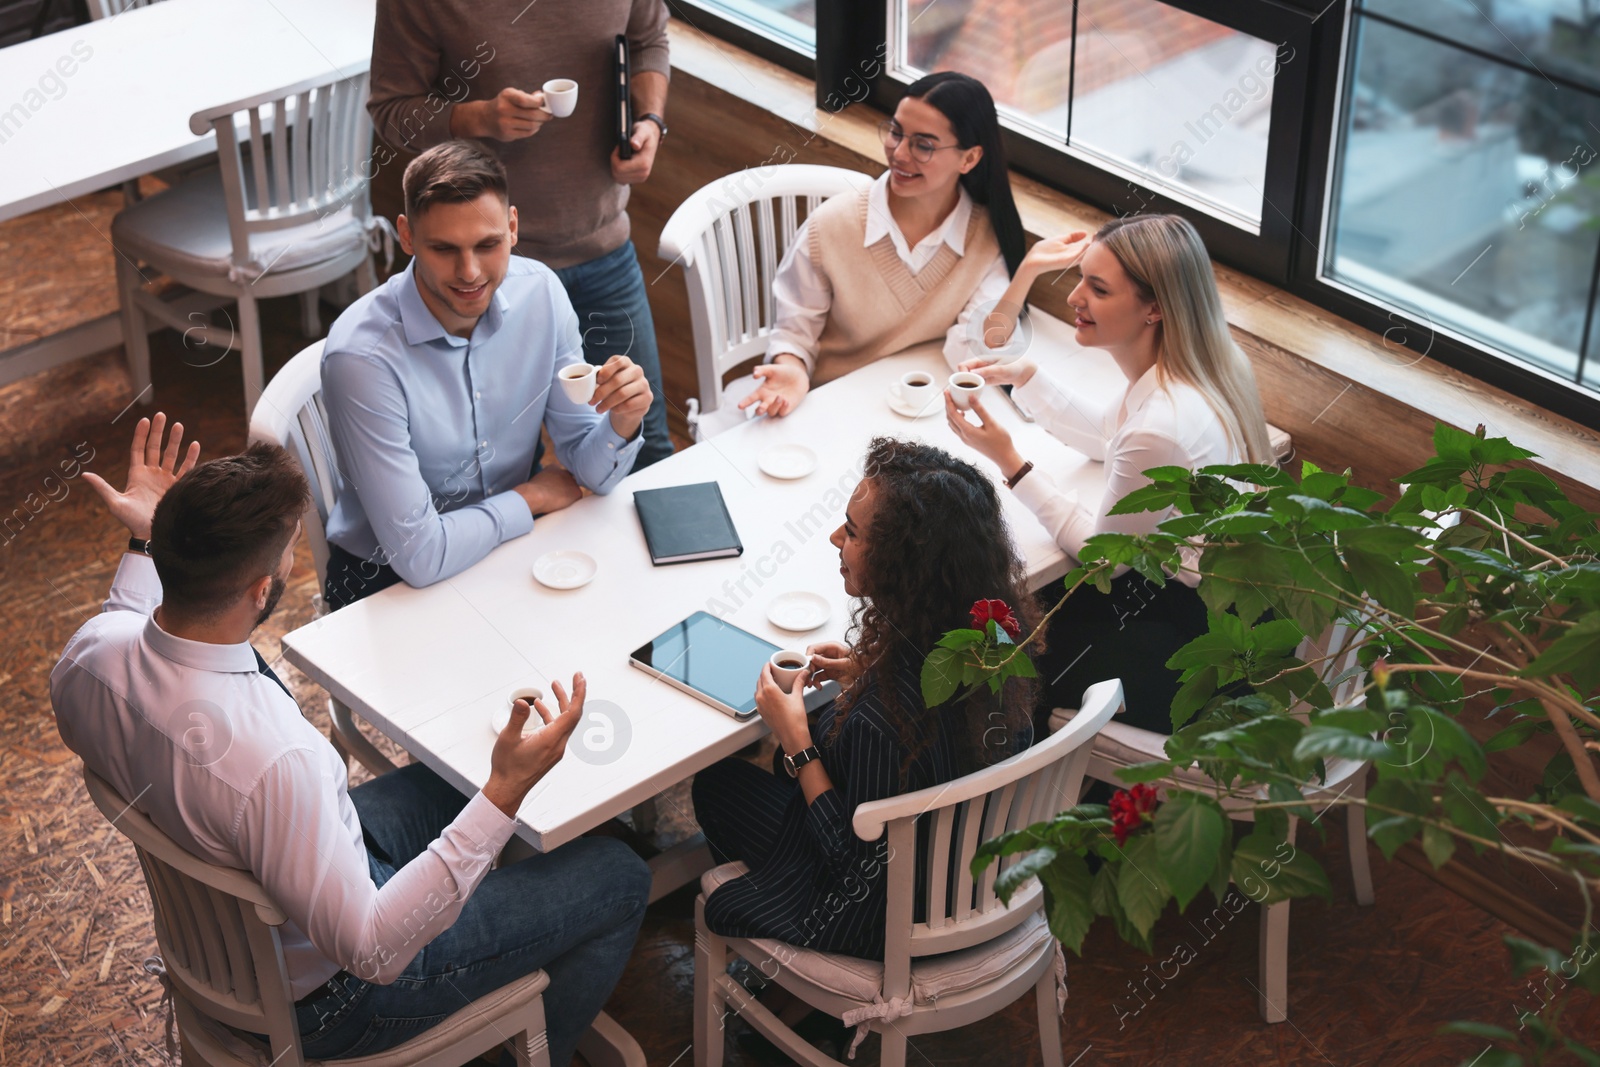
point(717, 662)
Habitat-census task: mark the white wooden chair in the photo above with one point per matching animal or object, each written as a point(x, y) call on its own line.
point(1120, 745)
point(104, 9)
point(730, 237)
point(285, 216)
point(290, 414)
point(220, 946)
point(971, 955)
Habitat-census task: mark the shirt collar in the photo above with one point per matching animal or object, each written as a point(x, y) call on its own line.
point(1140, 391)
point(880, 223)
point(200, 655)
point(421, 326)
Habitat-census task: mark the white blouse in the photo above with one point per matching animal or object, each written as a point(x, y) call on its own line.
point(1153, 424)
point(803, 294)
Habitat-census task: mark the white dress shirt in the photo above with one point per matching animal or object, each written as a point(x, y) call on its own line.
point(220, 758)
point(1153, 424)
point(802, 294)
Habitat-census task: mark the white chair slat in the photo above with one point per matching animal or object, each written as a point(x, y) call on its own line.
point(937, 908)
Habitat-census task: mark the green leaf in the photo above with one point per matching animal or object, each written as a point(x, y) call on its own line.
point(1019, 873)
point(1468, 811)
point(1518, 733)
point(1576, 652)
point(1320, 742)
point(941, 675)
point(1268, 869)
point(1494, 1057)
point(959, 639)
point(1438, 844)
point(1450, 738)
point(1531, 956)
point(1192, 695)
point(1581, 807)
point(1483, 1030)
point(1146, 498)
point(1067, 885)
point(1384, 579)
point(1391, 830)
point(1283, 793)
point(1141, 890)
point(1189, 832)
point(1151, 771)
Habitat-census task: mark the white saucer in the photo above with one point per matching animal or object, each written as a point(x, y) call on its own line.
point(787, 461)
point(565, 569)
point(898, 405)
point(502, 714)
point(798, 611)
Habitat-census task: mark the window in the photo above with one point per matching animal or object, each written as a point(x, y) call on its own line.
point(1178, 102)
point(1466, 184)
point(790, 22)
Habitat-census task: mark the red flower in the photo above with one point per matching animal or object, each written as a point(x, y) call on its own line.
point(1130, 809)
point(984, 610)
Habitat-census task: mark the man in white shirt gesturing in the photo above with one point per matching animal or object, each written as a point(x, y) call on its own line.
point(395, 917)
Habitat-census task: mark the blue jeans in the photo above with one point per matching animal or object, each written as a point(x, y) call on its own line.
point(614, 317)
point(573, 912)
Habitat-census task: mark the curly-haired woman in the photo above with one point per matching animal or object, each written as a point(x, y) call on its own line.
point(1149, 298)
point(923, 540)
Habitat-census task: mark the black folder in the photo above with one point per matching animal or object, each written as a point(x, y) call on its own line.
point(623, 67)
point(683, 523)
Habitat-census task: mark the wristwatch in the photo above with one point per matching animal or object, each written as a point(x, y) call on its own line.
point(1011, 482)
point(792, 764)
point(651, 116)
point(139, 544)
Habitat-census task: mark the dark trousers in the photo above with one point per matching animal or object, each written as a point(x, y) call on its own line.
point(1129, 634)
point(351, 578)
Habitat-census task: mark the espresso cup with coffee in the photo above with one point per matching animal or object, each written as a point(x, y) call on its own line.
point(578, 382)
point(964, 386)
point(786, 667)
point(916, 389)
point(560, 96)
point(502, 715)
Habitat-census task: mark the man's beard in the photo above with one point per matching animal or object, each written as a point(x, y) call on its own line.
point(274, 594)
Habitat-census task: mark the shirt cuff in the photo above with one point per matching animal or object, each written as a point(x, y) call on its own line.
point(1032, 396)
point(511, 513)
point(778, 347)
point(1038, 489)
point(136, 579)
point(484, 824)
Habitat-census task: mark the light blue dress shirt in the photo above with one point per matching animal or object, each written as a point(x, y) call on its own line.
point(433, 431)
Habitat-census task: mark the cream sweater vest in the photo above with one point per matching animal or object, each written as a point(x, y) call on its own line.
point(879, 306)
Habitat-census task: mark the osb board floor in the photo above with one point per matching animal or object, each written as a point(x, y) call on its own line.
point(1368, 985)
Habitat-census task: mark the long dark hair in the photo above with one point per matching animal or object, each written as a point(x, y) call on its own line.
point(967, 104)
point(937, 543)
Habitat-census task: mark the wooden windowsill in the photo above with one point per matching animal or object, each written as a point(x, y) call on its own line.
point(1264, 312)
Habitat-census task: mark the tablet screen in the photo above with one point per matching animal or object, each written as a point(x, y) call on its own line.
point(711, 656)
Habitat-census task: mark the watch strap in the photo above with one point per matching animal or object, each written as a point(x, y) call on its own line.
point(1011, 482)
point(651, 116)
point(793, 763)
point(139, 544)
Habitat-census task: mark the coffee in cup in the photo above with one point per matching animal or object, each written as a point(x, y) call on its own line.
point(560, 96)
point(916, 389)
point(578, 381)
point(786, 666)
point(501, 717)
point(965, 385)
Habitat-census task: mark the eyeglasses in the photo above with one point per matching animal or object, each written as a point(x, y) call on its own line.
point(922, 147)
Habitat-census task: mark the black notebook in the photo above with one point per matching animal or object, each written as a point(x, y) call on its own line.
point(683, 523)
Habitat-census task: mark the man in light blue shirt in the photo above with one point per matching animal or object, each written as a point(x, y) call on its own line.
point(437, 383)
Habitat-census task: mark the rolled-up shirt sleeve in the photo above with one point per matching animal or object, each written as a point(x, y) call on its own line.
point(595, 454)
point(311, 864)
point(368, 416)
point(647, 38)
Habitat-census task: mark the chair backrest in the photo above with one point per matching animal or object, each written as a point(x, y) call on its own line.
point(1030, 787)
point(309, 156)
point(730, 237)
point(104, 9)
point(216, 928)
point(290, 414)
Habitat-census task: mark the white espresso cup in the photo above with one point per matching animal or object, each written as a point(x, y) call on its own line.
point(560, 96)
point(787, 663)
point(578, 381)
point(964, 386)
point(530, 693)
point(916, 389)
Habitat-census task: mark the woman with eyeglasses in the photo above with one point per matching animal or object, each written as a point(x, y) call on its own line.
point(932, 242)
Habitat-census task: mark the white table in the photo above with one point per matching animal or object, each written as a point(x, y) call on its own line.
point(136, 78)
point(430, 666)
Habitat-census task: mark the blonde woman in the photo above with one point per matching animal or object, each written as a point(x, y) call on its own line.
point(1148, 297)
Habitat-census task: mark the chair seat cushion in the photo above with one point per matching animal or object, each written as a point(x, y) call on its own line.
point(184, 230)
point(932, 977)
point(705, 424)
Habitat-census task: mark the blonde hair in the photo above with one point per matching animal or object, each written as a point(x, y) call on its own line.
point(1167, 263)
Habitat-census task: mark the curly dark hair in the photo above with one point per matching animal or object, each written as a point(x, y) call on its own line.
point(937, 543)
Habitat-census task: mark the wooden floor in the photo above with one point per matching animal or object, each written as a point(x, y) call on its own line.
point(1368, 985)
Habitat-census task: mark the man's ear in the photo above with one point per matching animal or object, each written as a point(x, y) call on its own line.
point(259, 591)
point(402, 226)
point(513, 227)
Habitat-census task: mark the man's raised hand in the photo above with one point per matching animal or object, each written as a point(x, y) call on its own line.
point(152, 468)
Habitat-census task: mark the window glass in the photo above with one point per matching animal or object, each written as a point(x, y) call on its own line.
point(1467, 191)
point(791, 22)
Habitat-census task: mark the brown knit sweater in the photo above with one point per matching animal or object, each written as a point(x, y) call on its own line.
point(880, 307)
point(429, 55)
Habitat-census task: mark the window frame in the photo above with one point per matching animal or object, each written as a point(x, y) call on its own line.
point(747, 35)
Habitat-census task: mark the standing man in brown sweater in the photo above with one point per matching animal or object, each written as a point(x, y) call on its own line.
point(473, 68)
